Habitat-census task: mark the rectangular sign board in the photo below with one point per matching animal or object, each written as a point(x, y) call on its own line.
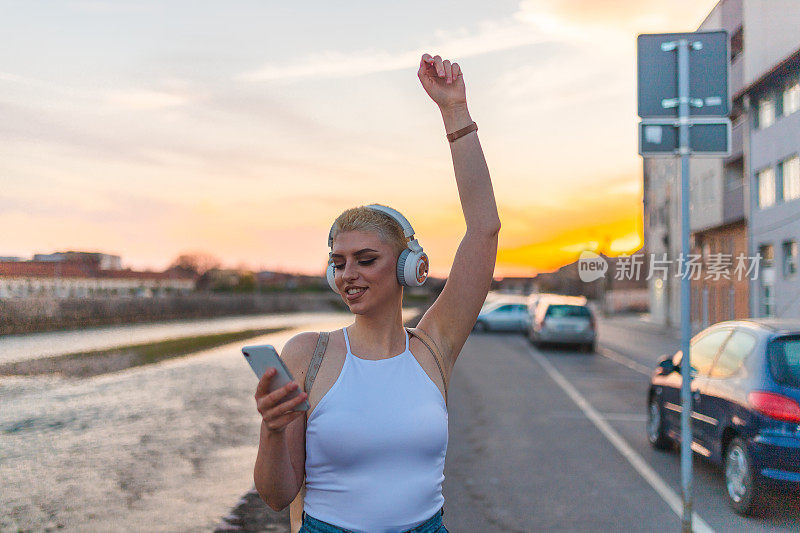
point(707, 137)
point(658, 74)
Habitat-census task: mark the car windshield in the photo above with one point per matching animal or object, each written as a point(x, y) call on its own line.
point(560, 310)
point(784, 360)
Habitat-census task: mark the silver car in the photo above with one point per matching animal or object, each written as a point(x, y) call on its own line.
point(563, 320)
point(502, 316)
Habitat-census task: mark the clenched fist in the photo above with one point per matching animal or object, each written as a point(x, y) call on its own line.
point(443, 81)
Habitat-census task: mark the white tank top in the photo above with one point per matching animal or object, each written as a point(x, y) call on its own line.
point(375, 446)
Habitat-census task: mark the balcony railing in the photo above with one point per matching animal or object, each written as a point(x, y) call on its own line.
point(737, 139)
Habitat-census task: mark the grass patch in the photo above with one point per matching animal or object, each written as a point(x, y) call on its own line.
point(85, 364)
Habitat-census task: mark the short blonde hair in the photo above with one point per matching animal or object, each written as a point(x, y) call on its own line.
point(363, 218)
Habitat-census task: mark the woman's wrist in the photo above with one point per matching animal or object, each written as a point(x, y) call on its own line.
point(271, 434)
point(455, 117)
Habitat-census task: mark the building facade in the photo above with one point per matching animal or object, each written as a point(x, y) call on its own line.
point(77, 277)
point(747, 204)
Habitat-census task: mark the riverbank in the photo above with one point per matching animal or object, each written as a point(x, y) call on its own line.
point(93, 363)
point(161, 447)
point(30, 346)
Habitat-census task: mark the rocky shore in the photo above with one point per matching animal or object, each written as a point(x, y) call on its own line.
point(252, 515)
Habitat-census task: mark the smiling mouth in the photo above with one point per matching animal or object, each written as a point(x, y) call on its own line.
point(355, 294)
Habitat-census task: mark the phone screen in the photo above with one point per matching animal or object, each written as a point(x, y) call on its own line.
point(265, 356)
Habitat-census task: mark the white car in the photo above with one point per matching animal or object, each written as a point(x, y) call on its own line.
point(563, 320)
point(502, 316)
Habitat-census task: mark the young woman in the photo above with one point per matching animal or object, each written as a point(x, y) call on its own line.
point(371, 448)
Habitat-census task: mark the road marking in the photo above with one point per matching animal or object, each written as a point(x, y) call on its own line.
point(637, 462)
point(616, 417)
point(623, 360)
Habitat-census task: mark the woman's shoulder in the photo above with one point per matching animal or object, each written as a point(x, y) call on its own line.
point(301, 346)
point(298, 351)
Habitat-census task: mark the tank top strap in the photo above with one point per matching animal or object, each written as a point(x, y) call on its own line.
point(347, 341)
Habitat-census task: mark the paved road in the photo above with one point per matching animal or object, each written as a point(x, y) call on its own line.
point(554, 440)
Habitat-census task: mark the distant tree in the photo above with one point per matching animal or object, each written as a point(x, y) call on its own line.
point(247, 282)
point(196, 263)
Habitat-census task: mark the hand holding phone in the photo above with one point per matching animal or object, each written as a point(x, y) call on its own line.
point(278, 397)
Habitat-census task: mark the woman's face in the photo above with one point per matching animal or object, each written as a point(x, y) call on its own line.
point(363, 261)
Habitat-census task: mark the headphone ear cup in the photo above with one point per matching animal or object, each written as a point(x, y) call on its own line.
point(402, 261)
point(330, 273)
point(414, 266)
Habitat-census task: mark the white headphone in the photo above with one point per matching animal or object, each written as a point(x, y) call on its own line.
point(412, 265)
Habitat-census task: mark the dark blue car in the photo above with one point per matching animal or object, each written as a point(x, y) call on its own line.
point(746, 405)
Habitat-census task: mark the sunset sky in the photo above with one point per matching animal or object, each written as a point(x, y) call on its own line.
point(243, 128)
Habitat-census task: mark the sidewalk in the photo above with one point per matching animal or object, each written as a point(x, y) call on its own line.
point(643, 321)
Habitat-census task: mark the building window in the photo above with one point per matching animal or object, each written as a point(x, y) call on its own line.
point(790, 170)
point(766, 187)
point(766, 112)
point(791, 98)
point(789, 259)
point(767, 255)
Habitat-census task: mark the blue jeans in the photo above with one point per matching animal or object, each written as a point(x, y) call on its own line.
point(431, 525)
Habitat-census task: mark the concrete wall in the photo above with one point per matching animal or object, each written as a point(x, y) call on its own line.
point(40, 314)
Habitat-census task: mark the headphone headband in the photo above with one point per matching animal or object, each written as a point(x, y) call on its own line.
point(408, 231)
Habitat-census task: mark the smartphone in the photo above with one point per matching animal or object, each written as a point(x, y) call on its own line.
point(265, 356)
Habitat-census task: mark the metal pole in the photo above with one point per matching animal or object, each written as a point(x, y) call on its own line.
point(686, 366)
point(705, 307)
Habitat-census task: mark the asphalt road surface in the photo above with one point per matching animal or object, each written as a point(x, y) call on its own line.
point(554, 439)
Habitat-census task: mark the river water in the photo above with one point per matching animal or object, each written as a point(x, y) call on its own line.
point(164, 447)
point(34, 345)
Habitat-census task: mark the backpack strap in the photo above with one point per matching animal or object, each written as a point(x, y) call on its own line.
point(437, 355)
point(316, 360)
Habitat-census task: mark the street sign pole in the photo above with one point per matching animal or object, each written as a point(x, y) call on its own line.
point(686, 366)
point(689, 95)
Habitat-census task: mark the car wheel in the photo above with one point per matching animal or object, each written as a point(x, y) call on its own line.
point(656, 432)
point(480, 326)
point(743, 490)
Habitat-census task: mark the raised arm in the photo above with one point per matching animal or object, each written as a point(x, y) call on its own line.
point(451, 317)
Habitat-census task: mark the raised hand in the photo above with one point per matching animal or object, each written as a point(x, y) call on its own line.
point(443, 81)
